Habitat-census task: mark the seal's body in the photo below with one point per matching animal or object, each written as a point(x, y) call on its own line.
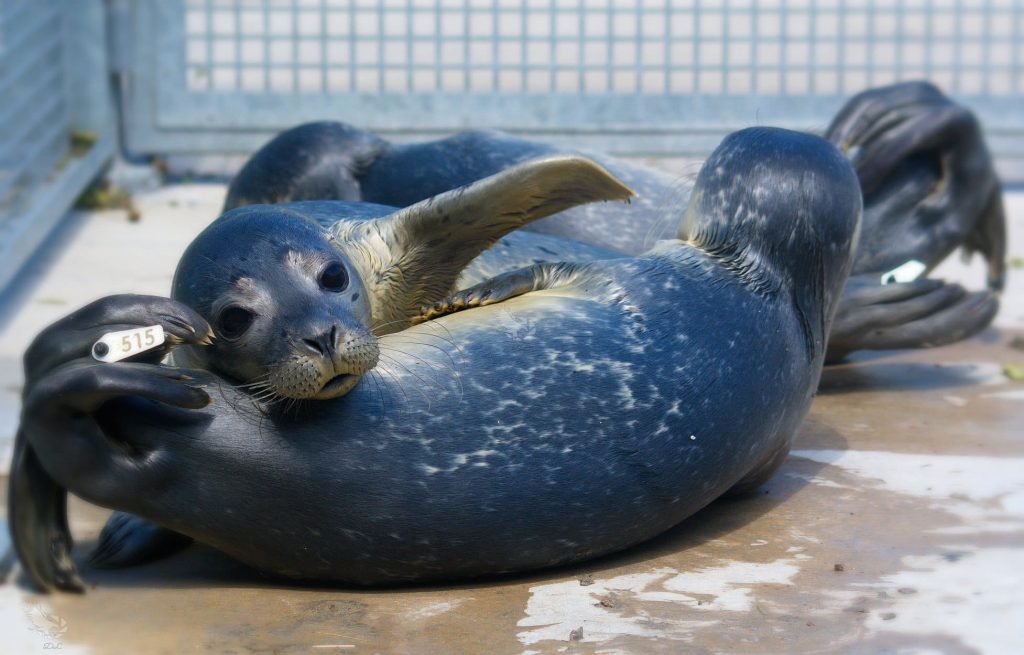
point(597, 406)
point(568, 424)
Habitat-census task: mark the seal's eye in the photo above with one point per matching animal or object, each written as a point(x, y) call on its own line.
point(234, 321)
point(334, 277)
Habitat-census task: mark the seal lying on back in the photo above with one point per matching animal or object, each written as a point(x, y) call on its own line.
point(296, 296)
point(296, 311)
point(645, 388)
point(928, 179)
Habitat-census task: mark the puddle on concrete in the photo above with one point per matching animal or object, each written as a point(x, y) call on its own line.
point(869, 511)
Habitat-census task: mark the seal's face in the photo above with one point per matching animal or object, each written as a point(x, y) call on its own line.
point(289, 311)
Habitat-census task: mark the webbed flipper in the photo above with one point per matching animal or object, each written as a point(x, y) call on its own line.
point(929, 181)
point(37, 504)
point(128, 540)
point(920, 314)
point(37, 509)
point(413, 257)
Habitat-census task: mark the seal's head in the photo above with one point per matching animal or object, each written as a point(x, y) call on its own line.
point(289, 310)
point(314, 161)
point(781, 209)
point(297, 293)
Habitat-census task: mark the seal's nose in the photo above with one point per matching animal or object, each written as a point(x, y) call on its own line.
point(324, 344)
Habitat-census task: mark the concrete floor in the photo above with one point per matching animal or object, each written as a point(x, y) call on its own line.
point(897, 525)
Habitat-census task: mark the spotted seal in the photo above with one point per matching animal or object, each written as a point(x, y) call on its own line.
point(927, 176)
point(638, 390)
point(297, 311)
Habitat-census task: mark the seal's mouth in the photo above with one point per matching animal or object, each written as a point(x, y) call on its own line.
point(339, 385)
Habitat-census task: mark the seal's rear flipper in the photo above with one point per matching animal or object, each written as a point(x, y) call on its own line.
point(128, 540)
point(919, 314)
point(928, 179)
point(413, 257)
point(37, 507)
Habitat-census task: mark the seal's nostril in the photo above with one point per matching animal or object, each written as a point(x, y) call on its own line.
point(315, 345)
point(324, 344)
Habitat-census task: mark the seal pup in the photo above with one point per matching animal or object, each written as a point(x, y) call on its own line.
point(297, 296)
point(928, 179)
point(297, 311)
point(645, 388)
point(929, 184)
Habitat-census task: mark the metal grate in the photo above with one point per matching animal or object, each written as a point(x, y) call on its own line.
point(33, 119)
point(601, 46)
point(628, 76)
point(52, 81)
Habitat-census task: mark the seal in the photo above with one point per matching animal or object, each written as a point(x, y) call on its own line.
point(928, 178)
point(641, 389)
point(297, 295)
point(297, 311)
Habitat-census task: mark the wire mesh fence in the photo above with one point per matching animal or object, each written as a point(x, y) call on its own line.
point(632, 77)
point(56, 128)
point(34, 119)
point(732, 47)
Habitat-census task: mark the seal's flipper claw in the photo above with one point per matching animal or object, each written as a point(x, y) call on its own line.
point(415, 255)
point(85, 388)
point(128, 540)
point(37, 508)
point(501, 287)
point(988, 236)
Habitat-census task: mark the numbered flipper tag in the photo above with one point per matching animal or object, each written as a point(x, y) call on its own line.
point(115, 346)
point(906, 273)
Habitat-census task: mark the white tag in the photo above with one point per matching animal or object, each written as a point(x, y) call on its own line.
point(906, 273)
point(115, 346)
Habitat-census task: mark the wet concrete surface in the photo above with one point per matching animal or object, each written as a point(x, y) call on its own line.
point(897, 522)
point(896, 525)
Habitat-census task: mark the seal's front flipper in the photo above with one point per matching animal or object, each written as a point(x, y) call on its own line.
point(413, 257)
point(502, 287)
point(128, 540)
point(73, 336)
point(37, 507)
point(919, 314)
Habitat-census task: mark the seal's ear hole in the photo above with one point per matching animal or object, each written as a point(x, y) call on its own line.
point(334, 277)
point(234, 321)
